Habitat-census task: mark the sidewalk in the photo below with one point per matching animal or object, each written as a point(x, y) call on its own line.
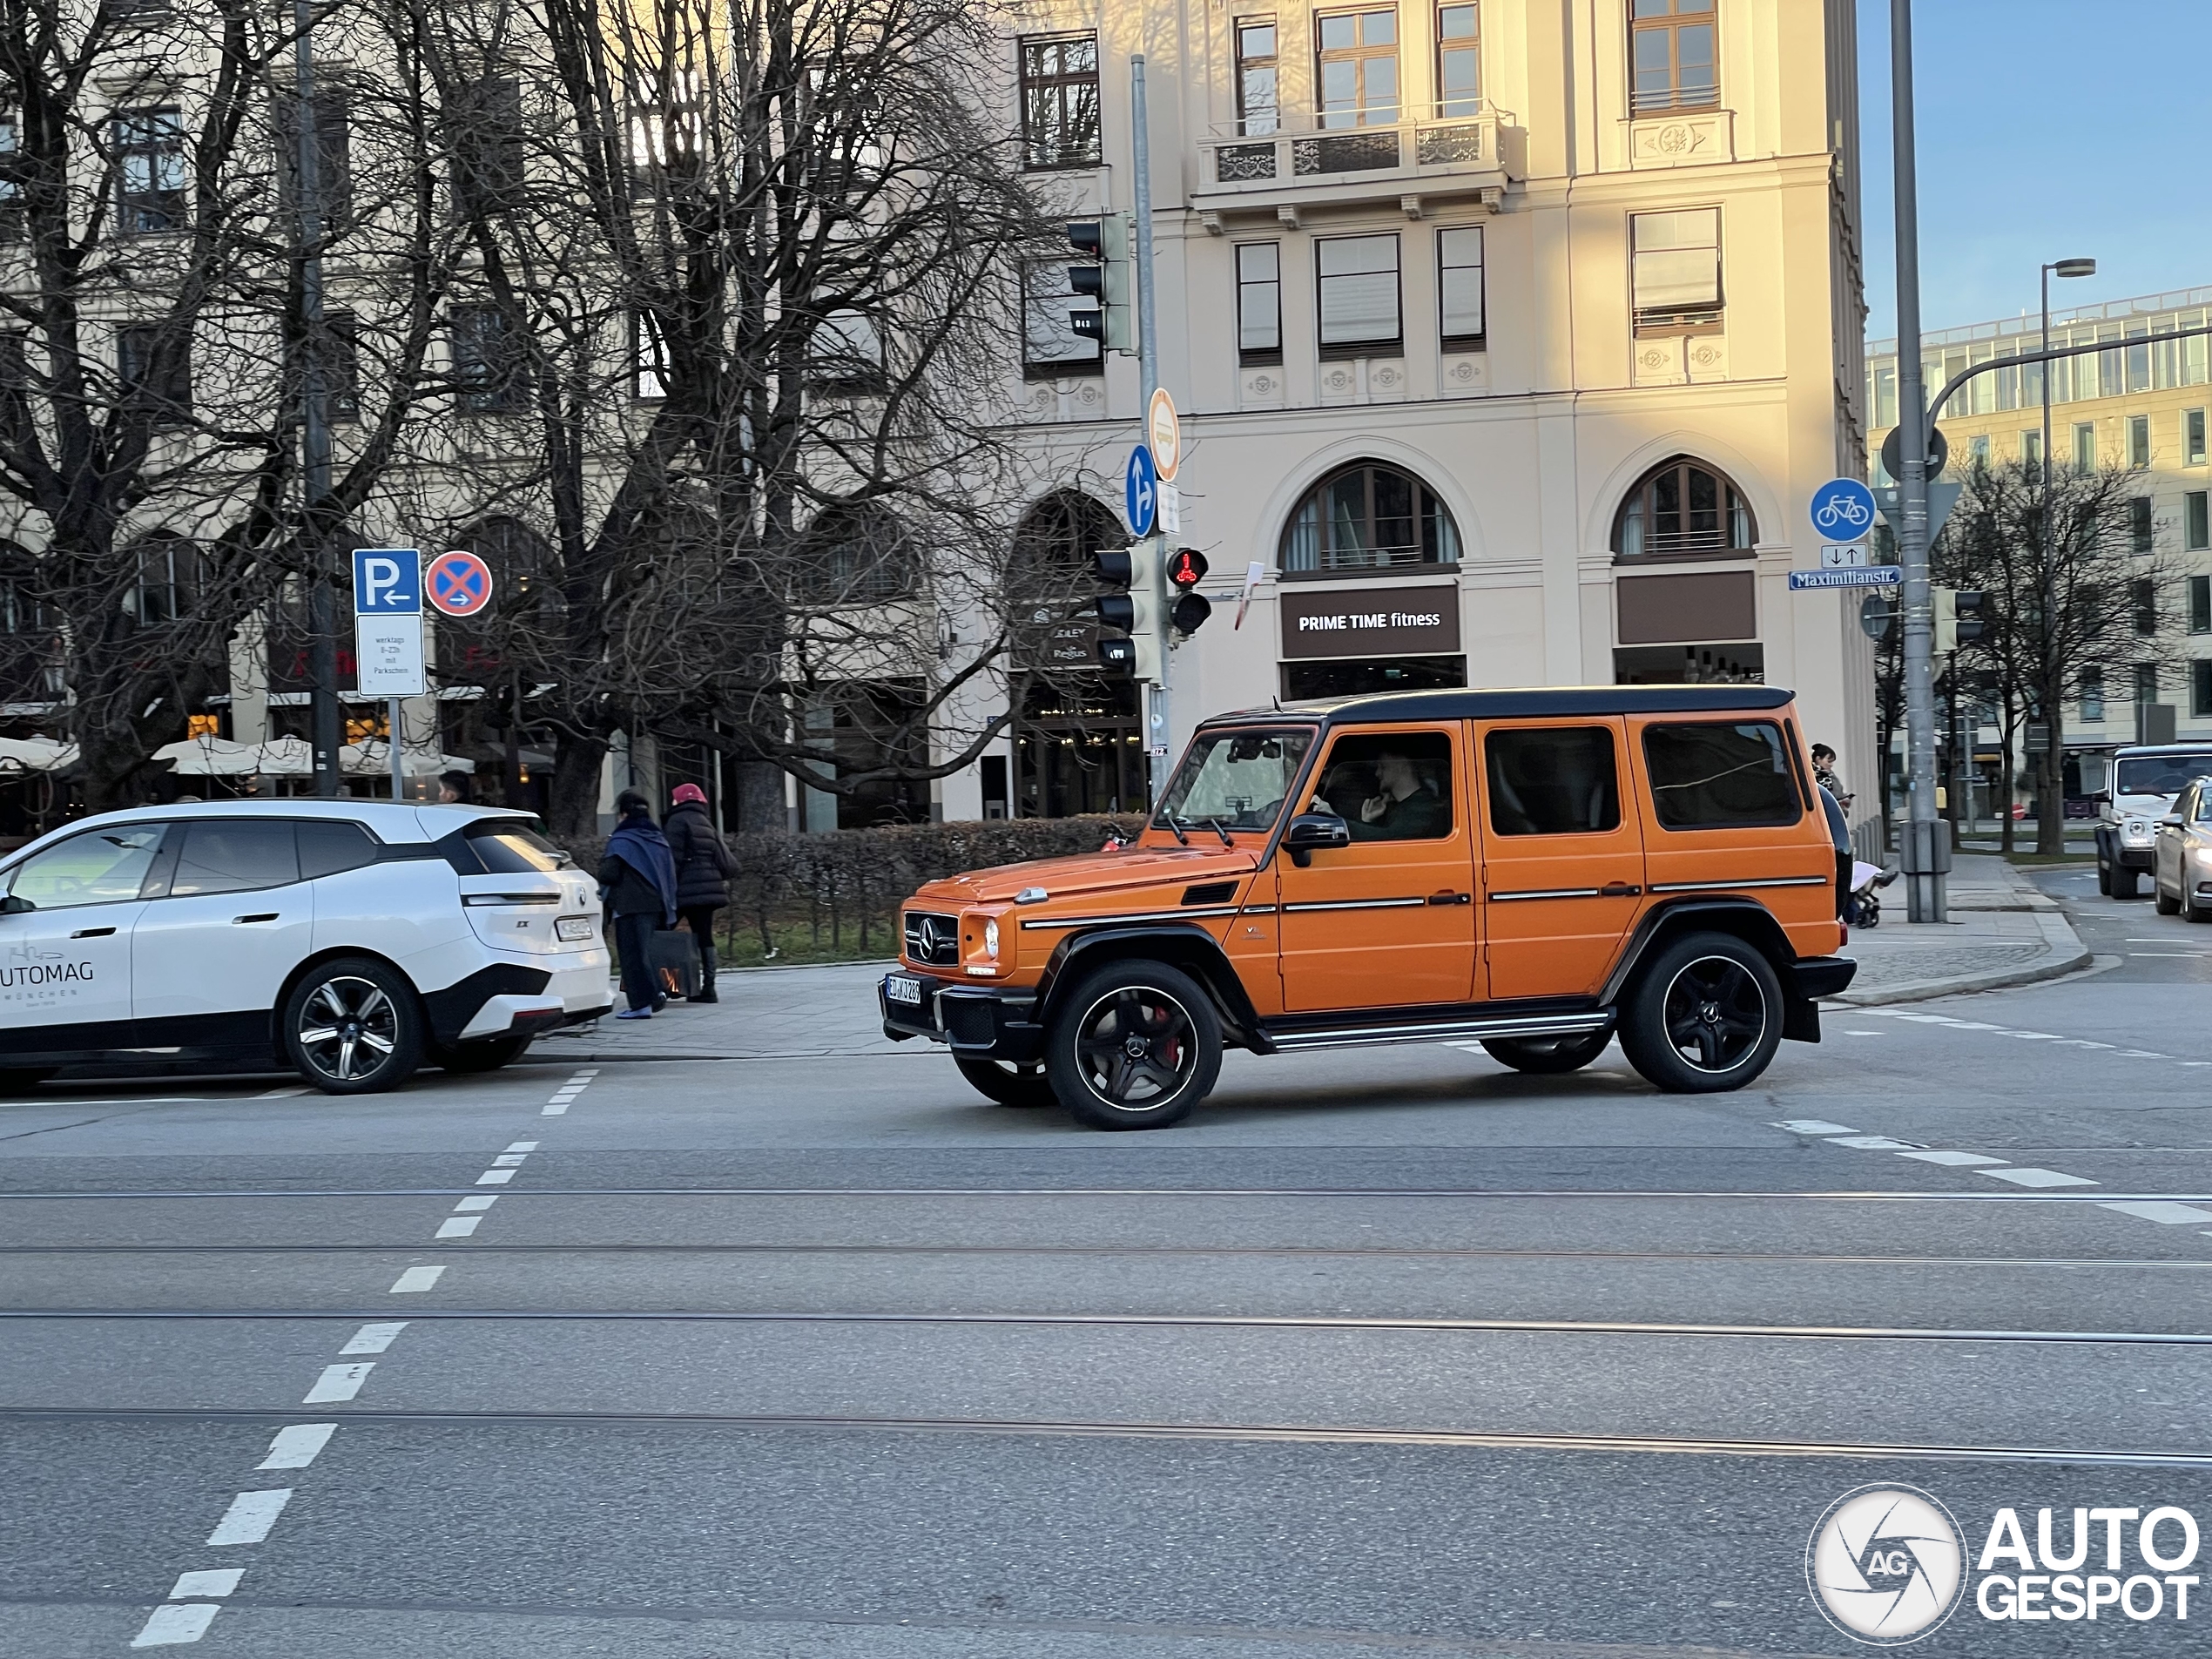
point(2002, 932)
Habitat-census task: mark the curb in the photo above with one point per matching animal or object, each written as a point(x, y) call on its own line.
point(2065, 955)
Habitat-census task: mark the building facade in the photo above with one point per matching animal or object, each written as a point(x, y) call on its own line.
point(2141, 404)
point(1511, 341)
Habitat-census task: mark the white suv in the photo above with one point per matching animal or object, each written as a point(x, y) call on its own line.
point(356, 939)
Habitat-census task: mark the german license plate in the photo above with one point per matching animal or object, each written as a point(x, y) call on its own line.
point(573, 928)
point(897, 988)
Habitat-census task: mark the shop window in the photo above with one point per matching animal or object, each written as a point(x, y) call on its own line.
point(1683, 508)
point(1363, 677)
point(1368, 517)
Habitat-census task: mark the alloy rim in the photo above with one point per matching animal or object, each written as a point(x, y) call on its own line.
point(1136, 1047)
point(347, 1027)
point(1715, 1012)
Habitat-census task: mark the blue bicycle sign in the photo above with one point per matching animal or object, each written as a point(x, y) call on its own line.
point(1843, 510)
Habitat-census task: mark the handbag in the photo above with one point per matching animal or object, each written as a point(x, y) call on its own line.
point(672, 958)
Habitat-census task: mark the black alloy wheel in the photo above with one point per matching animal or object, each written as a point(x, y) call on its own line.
point(1007, 1083)
point(1547, 1056)
point(1137, 1045)
point(354, 1027)
point(1704, 1016)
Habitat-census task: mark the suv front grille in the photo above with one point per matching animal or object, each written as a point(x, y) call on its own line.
point(932, 941)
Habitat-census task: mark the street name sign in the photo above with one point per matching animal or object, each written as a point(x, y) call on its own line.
point(1868, 576)
point(388, 621)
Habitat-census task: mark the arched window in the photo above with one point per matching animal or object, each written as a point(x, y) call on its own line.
point(1368, 516)
point(1684, 510)
point(1056, 538)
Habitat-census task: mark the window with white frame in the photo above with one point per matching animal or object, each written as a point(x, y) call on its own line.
point(2196, 521)
point(1459, 61)
point(1259, 86)
point(1356, 281)
point(2139, 440)
point(2192, 437)
point(1260, 302)
point(1458, 286)
point(1675, 261)
point(1356, 67)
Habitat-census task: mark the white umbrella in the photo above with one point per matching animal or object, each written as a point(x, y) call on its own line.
point(220, 758)
point(373, 759)
point(36, 754)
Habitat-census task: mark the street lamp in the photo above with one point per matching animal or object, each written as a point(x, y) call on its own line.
point(2061, 268)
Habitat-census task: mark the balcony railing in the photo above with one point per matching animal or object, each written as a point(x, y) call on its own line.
point(1292, 155)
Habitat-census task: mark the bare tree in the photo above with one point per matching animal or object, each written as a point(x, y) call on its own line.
point(150, 297)
point(747, 278)
point(2067, 604)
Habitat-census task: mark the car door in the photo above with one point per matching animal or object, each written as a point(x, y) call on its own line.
point(1562, 858)
point(1387, 921)
point(66, 937)
point(217, 940)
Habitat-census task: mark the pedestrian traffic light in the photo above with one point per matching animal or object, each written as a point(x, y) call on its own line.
point(1958, 618)
point(1105, 277)
point(1186, 569)
point(1132, 605)
point(1968, 621)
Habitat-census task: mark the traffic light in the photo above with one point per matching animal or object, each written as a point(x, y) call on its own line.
point(1132, 604)
point(1186, 569)
point(1105, 277)
point(1958, 618)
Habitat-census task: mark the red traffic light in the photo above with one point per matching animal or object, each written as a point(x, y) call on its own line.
point(1186, 567)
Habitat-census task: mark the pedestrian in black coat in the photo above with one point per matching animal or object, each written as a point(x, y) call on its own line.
point(638, 881)
point(703, 867)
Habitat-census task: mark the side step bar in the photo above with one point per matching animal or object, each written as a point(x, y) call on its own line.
point(1502, 1025)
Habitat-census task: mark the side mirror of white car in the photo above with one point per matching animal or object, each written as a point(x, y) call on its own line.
point(13, 906)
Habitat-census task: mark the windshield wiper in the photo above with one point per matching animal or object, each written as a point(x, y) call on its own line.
point(1226, 840)
point(1175, 824)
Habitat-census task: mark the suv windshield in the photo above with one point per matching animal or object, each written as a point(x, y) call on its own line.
point(1235, 780)
point(2161, 774)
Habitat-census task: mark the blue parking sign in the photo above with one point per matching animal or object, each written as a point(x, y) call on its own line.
point(1141, 491)
point(388, 581)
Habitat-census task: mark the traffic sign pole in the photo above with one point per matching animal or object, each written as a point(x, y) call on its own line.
point(388, 638)
point(1147, 357)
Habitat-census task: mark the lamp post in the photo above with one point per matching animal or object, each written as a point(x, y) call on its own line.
point(2061, 268)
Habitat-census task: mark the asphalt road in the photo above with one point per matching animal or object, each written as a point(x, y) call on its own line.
point(1391, 1353)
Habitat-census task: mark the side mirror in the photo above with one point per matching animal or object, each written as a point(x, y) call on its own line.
point(1311, 830)
point(2172, 820)
point(12, 906)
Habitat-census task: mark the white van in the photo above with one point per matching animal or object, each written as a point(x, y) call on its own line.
point(354, 940)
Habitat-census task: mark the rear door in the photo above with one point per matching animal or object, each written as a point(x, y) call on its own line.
point(232, 922)
point(1387, 921)
point(1562, 856)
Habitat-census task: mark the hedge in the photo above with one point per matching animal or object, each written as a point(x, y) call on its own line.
point(841, 880)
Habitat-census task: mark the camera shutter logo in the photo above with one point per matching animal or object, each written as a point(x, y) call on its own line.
point(1886, 1565)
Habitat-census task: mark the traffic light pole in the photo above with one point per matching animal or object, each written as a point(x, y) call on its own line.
point(314, 436)
point(1926, 851)
point(1148, 358)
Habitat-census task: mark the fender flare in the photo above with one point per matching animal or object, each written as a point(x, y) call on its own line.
point(1747, 918)
point(1180, 944)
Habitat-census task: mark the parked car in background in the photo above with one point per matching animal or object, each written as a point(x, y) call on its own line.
point(1538, 871)
point(2145, 781)
point(353, 940)
point(2181, 859)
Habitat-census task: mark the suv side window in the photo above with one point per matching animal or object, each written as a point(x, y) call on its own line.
point(1390, 786)
point(100, 866)
point(234, 855)
point(1712, 776)
point(330, 847)
point(1559, 780)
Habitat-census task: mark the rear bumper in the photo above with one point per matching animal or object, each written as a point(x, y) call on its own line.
point(1814, 977)
point(514, 1016)
point(985, 1022)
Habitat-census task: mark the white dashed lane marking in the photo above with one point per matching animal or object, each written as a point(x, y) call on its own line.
point(565, 1095)
point(456, 1227)
point(416, 1279)
point(297, 1446)
point(217, 1582)
point(168, 1626)
point(250, 1517)
point(2031, 1177)
point(2167, 1214)
point(374, 1339)
point(1950, 1159)
point(339, 1384)
point(495, 1178)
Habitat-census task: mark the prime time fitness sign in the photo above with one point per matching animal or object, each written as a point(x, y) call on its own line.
point(1385, 620)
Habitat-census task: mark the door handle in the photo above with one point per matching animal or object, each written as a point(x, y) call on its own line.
point(1449, 897)
point(1618, 890)
point(266, 915)
point(92, 932)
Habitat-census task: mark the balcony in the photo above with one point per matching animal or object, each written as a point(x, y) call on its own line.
point(1302, 166)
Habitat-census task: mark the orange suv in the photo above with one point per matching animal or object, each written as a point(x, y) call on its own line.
point(1538, 871)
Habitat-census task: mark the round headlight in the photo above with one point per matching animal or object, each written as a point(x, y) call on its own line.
point(991, 938)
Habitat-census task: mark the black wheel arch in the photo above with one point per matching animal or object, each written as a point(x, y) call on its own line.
point(1181, 945)
point(1746, 919)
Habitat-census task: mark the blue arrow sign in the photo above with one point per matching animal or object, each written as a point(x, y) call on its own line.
point(388, 581)
point(1141, 491)
point(1843, 510)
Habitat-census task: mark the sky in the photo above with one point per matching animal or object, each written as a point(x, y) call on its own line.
point(2046, 131)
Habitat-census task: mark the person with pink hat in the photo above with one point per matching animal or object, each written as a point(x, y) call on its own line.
point(703, 867)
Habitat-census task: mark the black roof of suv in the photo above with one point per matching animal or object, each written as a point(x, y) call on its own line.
point(1538, 701)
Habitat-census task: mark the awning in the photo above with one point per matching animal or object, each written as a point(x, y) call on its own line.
point(36, 754)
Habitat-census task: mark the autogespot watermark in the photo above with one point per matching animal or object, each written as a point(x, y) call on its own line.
point(1887, 1565)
